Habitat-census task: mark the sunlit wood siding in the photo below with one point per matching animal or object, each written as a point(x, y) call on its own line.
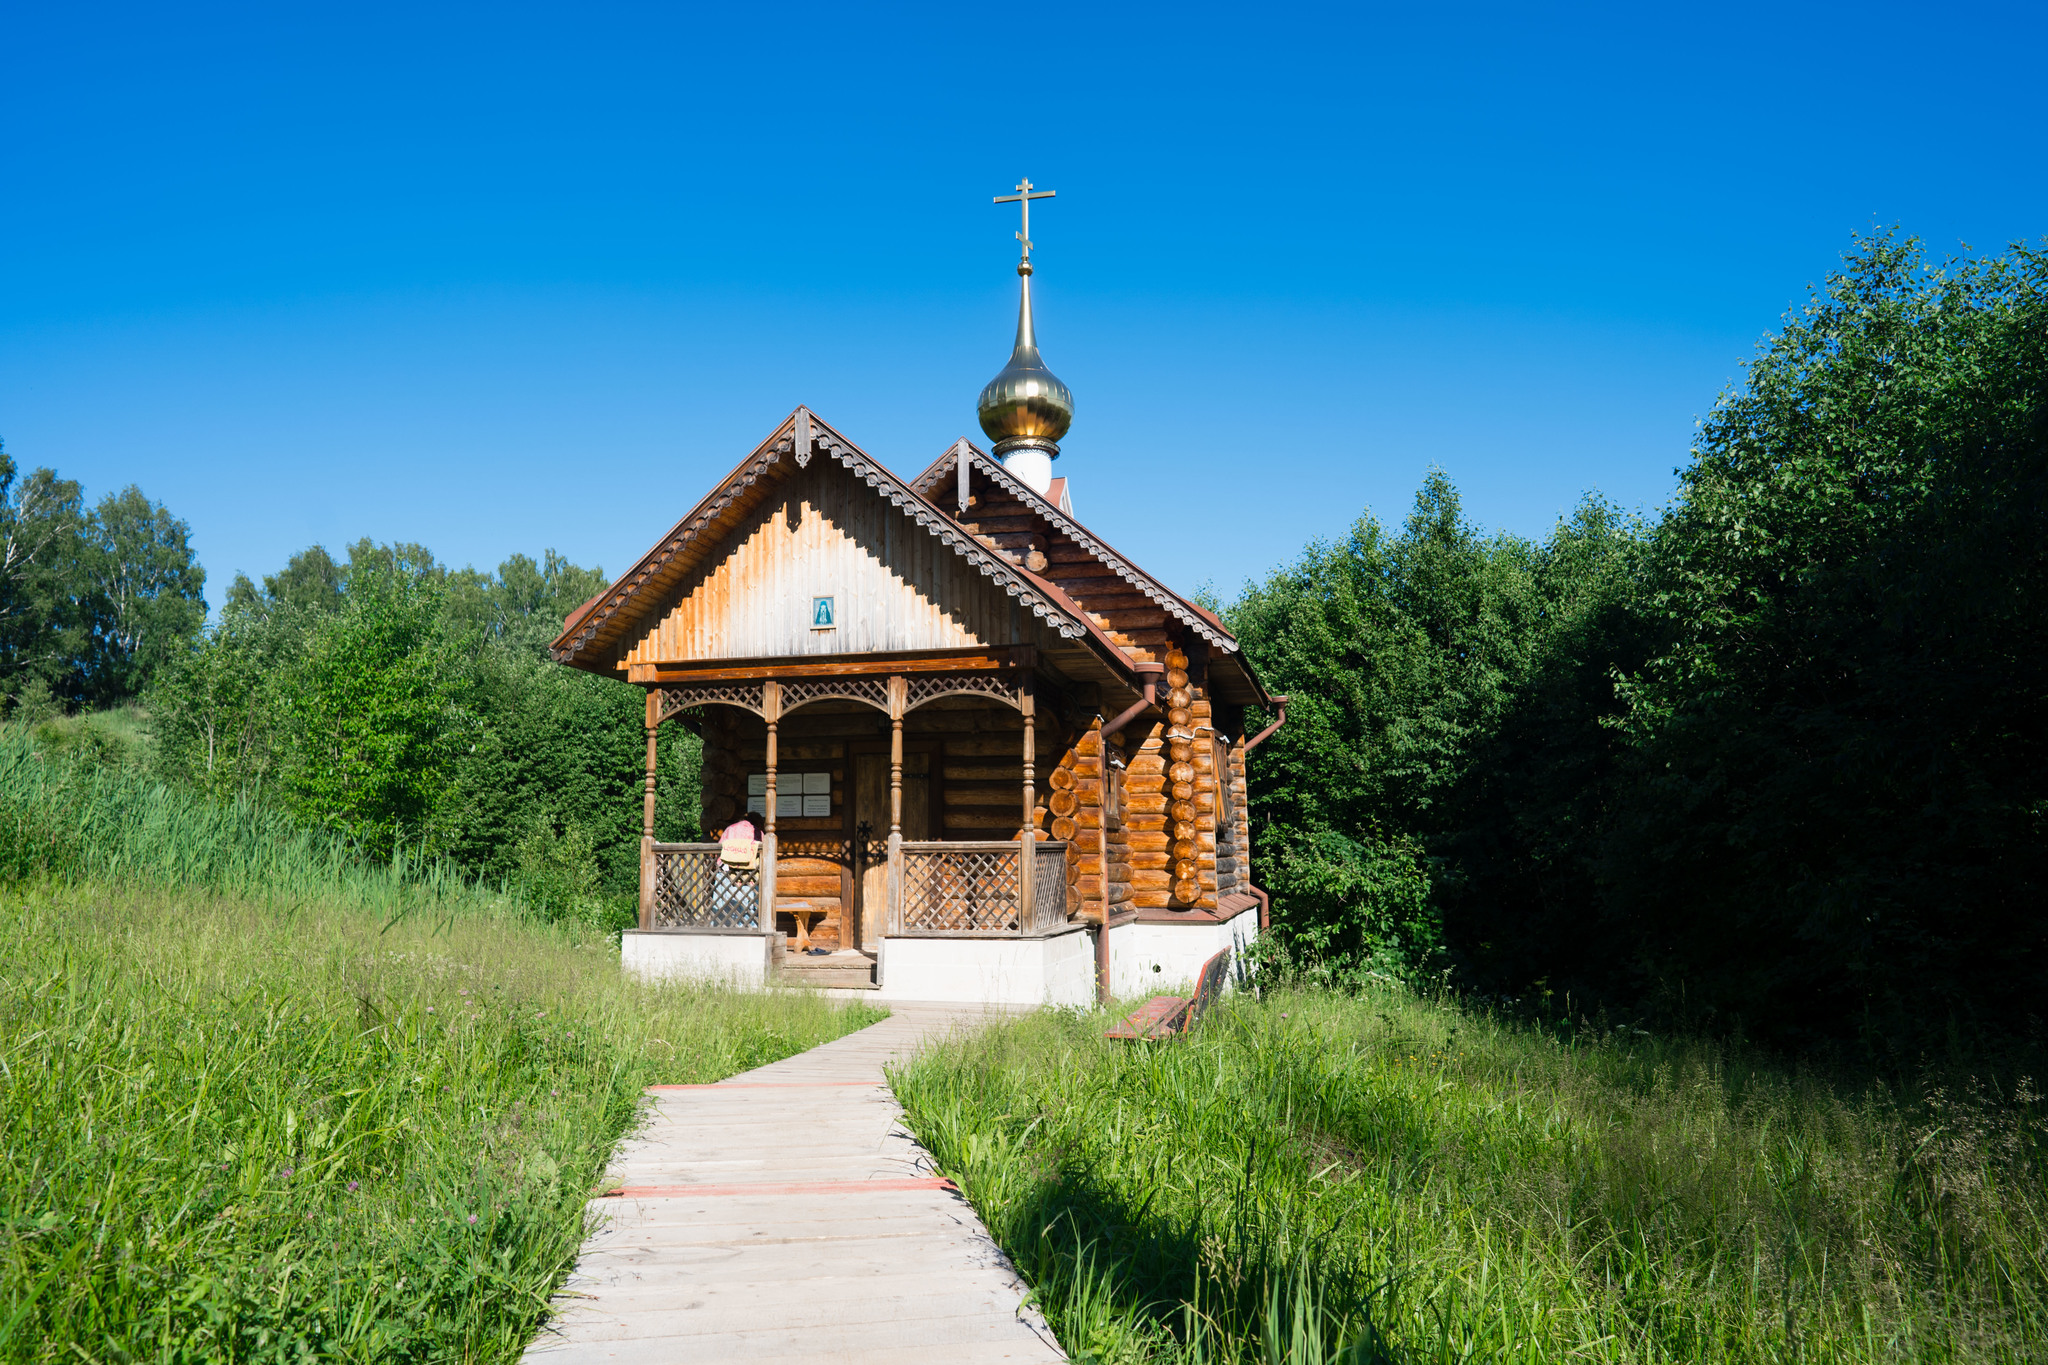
point(893, 585)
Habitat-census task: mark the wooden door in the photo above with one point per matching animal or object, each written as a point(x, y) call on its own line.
point(871, 807)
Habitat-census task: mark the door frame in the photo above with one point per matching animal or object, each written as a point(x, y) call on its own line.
point(856, 749)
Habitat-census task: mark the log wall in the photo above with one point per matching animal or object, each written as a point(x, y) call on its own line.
point(1117, 886)
point(1234, 836)
point(1077, 810)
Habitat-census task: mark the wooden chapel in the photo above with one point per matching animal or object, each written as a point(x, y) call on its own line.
point(978, 740)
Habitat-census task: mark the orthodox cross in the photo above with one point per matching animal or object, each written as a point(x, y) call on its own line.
point(1023, 197)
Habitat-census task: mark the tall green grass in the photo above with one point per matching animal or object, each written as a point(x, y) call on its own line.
point(238, 1131)
point(262, 1101)
point(1317, 1177)
point(65, 813)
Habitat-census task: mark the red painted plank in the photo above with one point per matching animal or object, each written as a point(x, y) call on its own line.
point(1153, 1019)
point(766, 1085)
point(797, 1187)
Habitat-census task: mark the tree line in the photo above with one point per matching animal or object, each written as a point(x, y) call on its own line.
point(382, 695)
point(415, 707)
point(1771, 759)
point(92, 599)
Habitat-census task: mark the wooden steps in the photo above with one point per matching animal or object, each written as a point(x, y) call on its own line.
point(840, 971)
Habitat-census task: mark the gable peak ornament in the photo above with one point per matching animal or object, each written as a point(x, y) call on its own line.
point(1026, 409)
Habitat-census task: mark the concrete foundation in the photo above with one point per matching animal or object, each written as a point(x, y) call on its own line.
point(1056, 970)
point(1164, 959)
point(739, 960)
point(1145, 959)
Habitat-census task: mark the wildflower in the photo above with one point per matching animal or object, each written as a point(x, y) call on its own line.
point(555, 1093)
point(353, 1187)
point(287, 1173)
point(472, 1218)
point(430, 1009)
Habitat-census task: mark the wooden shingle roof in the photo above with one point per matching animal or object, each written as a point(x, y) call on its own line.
point(1139, 613)
point(1086, 593)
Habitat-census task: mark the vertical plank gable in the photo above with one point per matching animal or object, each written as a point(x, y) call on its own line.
point(827, 534)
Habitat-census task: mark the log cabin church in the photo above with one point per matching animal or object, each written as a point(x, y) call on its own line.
point(990, 758)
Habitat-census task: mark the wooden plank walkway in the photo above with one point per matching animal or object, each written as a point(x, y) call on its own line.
point(785, 1214)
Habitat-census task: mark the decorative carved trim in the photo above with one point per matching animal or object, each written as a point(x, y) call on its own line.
point(869, 691)
point(746, 696)
point(928, 483)
point(920, 688)
point(824, 850)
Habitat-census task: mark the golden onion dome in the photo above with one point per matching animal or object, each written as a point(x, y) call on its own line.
point(1026, 406)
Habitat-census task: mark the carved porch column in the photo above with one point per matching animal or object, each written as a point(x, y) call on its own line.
point(899, 695)
point(771, 711)
point(647, 814)
point(1027, 843)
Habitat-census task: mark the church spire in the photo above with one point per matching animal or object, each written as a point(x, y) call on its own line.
point(1026, 409)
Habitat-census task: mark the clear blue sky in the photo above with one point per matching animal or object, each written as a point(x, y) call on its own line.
point(509, 277)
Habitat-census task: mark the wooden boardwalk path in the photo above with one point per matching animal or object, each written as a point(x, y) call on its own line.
point(785, 1214)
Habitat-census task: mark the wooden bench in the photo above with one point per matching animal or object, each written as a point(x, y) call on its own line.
point(1166, 1016)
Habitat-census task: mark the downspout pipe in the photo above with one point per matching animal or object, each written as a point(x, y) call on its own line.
point(1265, 901)
point(1151, 673)
point(1260, 738)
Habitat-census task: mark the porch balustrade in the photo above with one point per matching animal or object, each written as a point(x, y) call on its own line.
point(694, 890)
point(948, 888)
point(954, 888)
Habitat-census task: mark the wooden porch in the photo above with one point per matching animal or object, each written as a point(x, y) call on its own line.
point(881, 797)
point(967, 889)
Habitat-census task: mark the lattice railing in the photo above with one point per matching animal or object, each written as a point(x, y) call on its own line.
point(694, 890)
point(960, 888)
point(1049, 886)
point(972, 888)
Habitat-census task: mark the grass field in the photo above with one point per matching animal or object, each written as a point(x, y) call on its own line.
point(263, 1102)
point(1316, 1177)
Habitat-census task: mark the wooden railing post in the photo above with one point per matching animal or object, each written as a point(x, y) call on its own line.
point(771, 711)
point(647, 870)
point(899, 693)
point(1027, 837)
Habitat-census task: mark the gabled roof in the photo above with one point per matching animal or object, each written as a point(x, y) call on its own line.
point(593, 631)
point(984, 465)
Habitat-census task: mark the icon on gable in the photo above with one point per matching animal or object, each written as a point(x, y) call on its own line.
point(821, 613)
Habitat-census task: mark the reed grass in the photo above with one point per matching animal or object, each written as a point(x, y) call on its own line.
point(64, 814)
point(264, 1102)
point(1316, 1177)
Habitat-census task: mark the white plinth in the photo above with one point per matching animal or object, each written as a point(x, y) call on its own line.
point(1031, 465)
point(1165, 959)
point(1055, 970)
point(738, 960)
